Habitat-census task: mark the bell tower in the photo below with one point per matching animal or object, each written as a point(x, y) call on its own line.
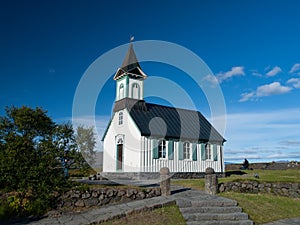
point(130, 78)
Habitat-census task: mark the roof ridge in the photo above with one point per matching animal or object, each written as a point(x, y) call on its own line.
point(172, 107)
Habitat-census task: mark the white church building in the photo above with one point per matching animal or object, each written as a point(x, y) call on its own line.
point(142, 137)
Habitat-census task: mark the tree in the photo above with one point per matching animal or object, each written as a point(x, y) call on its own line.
point(31, 149)
point(86, 141)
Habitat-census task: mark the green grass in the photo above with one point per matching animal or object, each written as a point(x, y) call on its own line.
point(169, 215)
point(197, 184)
point(266, 176)
point(264, 208)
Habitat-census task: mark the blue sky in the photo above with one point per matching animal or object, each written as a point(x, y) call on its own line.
point(252, 47)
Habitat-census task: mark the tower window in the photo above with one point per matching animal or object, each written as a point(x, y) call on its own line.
point(135, 91)
point(162, 150)
point(186, 150)
point(120, 118)
point(121, 91)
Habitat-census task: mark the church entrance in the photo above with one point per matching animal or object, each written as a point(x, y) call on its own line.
point(120, 157)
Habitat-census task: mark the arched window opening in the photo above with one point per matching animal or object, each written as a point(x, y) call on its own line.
point(135, 91)
point(121, 91)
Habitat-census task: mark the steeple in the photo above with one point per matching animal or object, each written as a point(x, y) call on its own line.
point(130, 78)
point(130, 66)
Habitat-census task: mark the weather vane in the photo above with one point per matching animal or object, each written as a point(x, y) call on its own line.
point(131, 38)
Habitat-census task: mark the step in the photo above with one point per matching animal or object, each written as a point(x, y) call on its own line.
point(229, 209)
point(228, 222)
point(215, 203)
point(214, 216)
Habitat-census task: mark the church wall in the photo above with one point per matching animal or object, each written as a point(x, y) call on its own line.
point(149, 164)
point(129, 135)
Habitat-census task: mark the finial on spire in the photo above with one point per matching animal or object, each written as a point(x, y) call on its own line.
point(131, 38)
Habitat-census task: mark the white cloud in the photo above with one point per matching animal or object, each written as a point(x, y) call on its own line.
point(247, 96)
point(295, 68)
point(235, 71)
point(274, 88)
point(265, 136)
point(295, 82)
point(211, 79)
point(274, 71)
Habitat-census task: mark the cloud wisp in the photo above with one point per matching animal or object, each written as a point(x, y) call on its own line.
point(274, 88)
point(295, 82)
point(235, 71)
point(295, 68)
point(274, 71)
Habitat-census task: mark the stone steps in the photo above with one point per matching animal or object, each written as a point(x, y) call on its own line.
point(240, 222)
point(212, 211)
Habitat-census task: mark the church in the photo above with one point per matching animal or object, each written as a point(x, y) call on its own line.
point(143, 137)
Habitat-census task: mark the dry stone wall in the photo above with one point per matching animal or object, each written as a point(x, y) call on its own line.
point(103, 196)
point(281, 189)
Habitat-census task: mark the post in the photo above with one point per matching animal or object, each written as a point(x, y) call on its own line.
point(165, 181)
point(211, 181)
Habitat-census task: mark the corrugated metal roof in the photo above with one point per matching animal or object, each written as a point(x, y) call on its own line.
point(174, 123)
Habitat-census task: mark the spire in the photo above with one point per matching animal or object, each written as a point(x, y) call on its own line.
point(130, 65)
point(130, 60)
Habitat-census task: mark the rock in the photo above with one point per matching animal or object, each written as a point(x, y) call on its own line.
point(79, 203)
point(222, 188)
point(86, 195)
point(91, 202)
point(130, 193)
point(141, 195)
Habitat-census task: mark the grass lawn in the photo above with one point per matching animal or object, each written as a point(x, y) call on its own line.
point(169, 215)
point(264, 208)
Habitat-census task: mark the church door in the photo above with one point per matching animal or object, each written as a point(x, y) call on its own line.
point(120, 157)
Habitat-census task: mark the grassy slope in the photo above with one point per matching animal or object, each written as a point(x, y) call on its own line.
point(169, 215)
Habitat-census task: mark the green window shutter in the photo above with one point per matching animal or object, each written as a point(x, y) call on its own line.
point(215, 152)
point(155, 148)
point(203, 151)
point(180, 150)
point(170, 150)
point(194, 151)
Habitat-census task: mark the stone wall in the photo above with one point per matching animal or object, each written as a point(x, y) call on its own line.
point(282, 189)
point(103, 196)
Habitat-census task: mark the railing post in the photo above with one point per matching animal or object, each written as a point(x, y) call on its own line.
point(211, 181)
point(165, 181)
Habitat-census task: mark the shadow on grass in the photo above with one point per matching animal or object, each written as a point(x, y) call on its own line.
point(236, 172)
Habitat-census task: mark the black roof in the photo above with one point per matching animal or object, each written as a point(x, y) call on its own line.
point(168, 122)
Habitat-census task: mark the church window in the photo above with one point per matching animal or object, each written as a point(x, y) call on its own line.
point(135, 91)
point(120, 118)
point(121, 91)
point(186, 150)
point(207, 151)
point(162, 150)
